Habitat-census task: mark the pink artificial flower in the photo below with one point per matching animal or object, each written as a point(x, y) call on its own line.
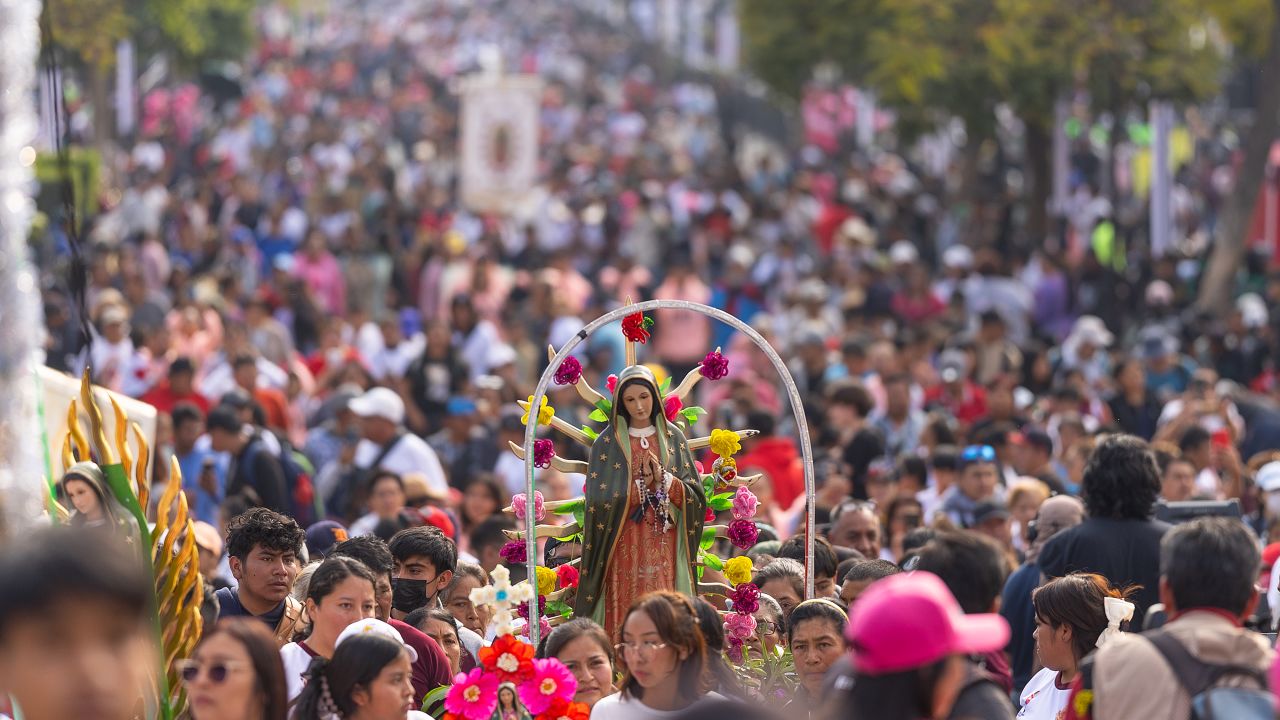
point(544, 628)
point(672, 408)
point(543, 451)
point(611, 384)
point(520, 506)
point(745, 503)
point(697, 464)
point(742, 627)
point(551, 681)
point(473, 695)
point(567, 575)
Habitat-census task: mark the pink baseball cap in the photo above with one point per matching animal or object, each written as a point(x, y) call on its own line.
point(911, 620)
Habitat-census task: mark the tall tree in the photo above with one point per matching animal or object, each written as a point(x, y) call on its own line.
point(1218, 283)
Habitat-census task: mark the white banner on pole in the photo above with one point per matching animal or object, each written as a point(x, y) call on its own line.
point(126, 93)
point(1161, 178)
point(728, 38)
point(499, 140)
point(1061, 159)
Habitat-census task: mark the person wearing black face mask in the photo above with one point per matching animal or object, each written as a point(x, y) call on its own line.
point(424, 563)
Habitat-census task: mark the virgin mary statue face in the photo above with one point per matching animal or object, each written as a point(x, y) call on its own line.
point(637, 400)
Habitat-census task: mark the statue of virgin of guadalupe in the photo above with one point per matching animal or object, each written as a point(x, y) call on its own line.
point(645, 506)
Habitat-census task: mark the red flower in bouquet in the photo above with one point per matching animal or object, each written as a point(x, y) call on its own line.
point(672, 407)
point(635, 328)
point(564, 710)
point(567, 575)
point(510, 659)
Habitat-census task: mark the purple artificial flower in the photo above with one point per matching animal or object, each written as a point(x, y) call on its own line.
point(746, 598)
point(733, 648)
point(743, 533)
point(714, 366)
point(569, 372)
point(523, 608)
point(543, 451)
point(515, 553)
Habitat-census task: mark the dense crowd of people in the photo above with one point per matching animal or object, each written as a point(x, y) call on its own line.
point(1014, 449)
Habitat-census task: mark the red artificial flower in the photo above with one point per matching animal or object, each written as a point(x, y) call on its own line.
point(564, 710)
point(635, 328)
point(510, 658)
point(710, 516)
point(672, 407)
point(567, 575)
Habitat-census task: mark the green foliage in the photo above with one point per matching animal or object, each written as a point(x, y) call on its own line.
point(433, 702)
point(588, 431)
point(929, 60)
point(196, 31)
point(88, 28)
point(712, 561)
point(767, 676)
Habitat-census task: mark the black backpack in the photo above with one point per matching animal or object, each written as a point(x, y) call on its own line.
point(1200, 679)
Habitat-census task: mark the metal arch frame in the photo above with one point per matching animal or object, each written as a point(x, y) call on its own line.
point(531, 429)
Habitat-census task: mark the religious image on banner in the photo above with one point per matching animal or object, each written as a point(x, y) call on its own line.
point(499, 140)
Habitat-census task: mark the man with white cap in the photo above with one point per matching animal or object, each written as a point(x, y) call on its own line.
point(386, 445)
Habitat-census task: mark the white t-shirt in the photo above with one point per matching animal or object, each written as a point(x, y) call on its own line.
point(615, 707)
point(410, 454)
point(296, 661)
point(1043, 699)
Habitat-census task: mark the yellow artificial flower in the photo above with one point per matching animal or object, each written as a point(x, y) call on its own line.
point(725, 442)
point(546, 580)
point(738, 570)
point(545, 412)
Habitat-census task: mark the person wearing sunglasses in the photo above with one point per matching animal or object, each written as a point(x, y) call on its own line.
point(978, 482)
point(235, 673)
point(663, 657)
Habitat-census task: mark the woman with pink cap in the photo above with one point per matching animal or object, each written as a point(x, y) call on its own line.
point(909, 638)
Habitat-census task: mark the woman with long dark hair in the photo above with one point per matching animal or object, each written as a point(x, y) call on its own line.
point(235, 674)
point(664, 658)
point(369, 677)
point(341, 592)
point(584, 648)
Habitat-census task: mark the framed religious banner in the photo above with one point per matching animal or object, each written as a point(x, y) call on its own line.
point(499, 140)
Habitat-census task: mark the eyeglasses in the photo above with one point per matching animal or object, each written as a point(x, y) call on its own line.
point(644, 650)
point(977, 454)
point(767, 628)
point(216, 671)
point(849, 506)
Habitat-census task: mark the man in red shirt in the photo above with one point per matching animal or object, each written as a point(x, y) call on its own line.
point(965, 400)
point(178, 388)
